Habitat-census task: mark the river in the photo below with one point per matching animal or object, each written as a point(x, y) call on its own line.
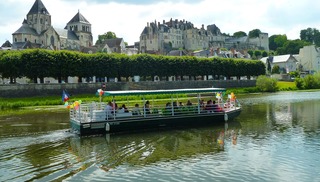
point(276, 138)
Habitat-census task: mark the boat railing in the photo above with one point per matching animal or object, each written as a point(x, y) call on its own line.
point(95, 112)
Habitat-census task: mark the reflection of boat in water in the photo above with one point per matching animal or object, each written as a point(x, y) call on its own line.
point(96, 118)
point(112, 150)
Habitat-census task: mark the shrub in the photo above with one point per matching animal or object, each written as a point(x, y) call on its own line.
point(299, 83)
point(310, 82)
point(266, 84)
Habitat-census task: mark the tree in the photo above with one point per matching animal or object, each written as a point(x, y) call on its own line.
point(239, 34)
point(292, 47)
point(108, 35)
point(311, 35)
point(254, 33)
point(276, 41)
point(275, 69)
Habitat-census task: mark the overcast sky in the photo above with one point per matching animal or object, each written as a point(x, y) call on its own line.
point(128, 18)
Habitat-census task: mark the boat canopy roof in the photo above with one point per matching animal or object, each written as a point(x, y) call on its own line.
point(167, 91)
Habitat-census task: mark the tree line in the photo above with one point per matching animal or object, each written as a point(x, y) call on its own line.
point(40, 63)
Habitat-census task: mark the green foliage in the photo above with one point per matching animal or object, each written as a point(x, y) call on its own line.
point(308, 82)
point(239, 34)
point(266, 84)
point(39, 63)
point(292, 47)
point(275, 69)
point(311, 35)
point(276, 41)
point(257, 53)
point(264, 53)
point(254, 33)
point(250, 52)
point(299, 83)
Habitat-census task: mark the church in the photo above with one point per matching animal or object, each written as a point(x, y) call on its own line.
point(37, 32)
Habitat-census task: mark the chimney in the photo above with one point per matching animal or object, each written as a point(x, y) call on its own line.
point(164, 21)
point(147, 24)
point(202, 26)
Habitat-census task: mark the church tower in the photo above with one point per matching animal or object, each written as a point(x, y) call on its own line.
point(39, 17)
point(82, 28)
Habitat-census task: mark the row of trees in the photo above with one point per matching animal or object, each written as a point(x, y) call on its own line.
point(39, 63)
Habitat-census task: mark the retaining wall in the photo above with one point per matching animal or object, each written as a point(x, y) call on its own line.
point(29, 90)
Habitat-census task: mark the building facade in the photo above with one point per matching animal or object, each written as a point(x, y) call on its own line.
point(162, 37)
point(309, 59)
point(37, 31)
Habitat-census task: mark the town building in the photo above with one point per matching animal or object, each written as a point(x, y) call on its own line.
point(37, 31)
point(161, 38)
point(287, 63)
point(309, 59)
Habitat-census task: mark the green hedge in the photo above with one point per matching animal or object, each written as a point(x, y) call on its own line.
point(40, 63)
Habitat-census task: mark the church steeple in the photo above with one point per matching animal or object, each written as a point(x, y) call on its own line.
point(38, 8)
point(82, 27)
point(39, 17)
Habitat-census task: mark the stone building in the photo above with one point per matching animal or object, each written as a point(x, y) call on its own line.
point(37, 31)
point(160, 38)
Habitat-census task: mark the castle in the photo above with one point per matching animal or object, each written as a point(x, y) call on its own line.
point(160, 38)
point(37, 32)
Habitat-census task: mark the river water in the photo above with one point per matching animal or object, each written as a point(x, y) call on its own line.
point(276, 138)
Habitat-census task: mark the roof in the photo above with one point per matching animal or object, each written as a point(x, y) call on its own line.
point(79, 18)
point(38, 7)
point(25, 29)
point(25, 45)
point(113, 42)
point(66, 34)
point(278, 59)
point(169, 91)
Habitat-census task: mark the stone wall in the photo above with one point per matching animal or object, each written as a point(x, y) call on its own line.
point(29, 90)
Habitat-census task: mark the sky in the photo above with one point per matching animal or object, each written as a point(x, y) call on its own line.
point(127, 18)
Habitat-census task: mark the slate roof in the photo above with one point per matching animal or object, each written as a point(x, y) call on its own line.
point(113, 42)
point(38, 7)
point(25, 29)
point(6, 44)
point(25, 45)
point(66, 34)
point(79, 18)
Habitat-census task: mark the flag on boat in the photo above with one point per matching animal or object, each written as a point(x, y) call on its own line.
point(65, 96)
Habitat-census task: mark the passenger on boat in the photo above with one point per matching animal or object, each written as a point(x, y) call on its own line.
point(108, 109)
point(136, 110)
point(189, 103)
point(124, 108)
point(180, 104)
point(209, 106)
point(114, 106)
point(202, 104)
point(147, 107)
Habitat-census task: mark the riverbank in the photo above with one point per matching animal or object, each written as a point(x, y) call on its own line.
point(9, 106)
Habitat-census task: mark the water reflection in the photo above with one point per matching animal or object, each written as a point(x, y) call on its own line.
point(276, 138)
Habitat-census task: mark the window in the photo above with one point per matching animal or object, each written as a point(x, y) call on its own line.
point(15, 39)
point(25, 39)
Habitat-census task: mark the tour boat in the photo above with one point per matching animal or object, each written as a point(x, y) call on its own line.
point(178, 108)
